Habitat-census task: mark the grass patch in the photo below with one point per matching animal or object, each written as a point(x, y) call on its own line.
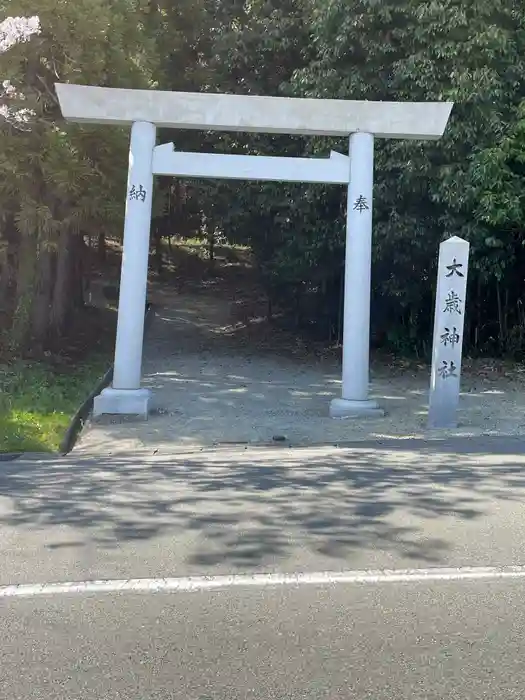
point(38, 400)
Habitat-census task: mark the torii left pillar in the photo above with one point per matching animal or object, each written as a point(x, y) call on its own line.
point(125, 395)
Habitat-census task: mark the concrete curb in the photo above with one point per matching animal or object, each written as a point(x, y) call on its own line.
point(79, 419)
point(14, 456)
point(10, 456)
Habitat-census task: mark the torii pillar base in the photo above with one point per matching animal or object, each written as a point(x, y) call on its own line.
point(122, 402)
point(345, 408)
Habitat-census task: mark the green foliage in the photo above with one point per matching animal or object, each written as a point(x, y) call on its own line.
point(59, 180)
point(470, 183)
point(37, 402)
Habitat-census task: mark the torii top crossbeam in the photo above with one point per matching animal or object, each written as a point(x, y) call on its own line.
point(247, 113)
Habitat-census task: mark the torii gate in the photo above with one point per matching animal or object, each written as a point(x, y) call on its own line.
point(146, 110)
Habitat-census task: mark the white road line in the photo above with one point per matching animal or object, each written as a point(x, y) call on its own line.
point(204, 583)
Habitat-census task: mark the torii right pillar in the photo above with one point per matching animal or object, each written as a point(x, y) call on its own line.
point(354, 401)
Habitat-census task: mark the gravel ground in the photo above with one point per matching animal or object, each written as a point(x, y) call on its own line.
point(217, 382)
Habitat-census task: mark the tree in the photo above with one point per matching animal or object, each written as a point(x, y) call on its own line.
point(471, 53)
point(60, 181)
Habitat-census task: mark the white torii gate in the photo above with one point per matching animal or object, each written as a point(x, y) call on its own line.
point(146, 110)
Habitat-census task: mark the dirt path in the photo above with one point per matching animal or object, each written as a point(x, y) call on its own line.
point(218, 381)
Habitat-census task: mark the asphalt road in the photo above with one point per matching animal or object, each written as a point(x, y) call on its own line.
point(392, 504)
point(452, 504)
point(461, 640)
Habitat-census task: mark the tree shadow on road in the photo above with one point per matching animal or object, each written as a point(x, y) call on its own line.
point(253, 508)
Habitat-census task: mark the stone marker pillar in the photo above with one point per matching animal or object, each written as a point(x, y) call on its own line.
point(354, 401)
point(125, 396)
point(449, 321)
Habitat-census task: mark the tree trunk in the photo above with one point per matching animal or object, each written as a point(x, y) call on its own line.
point(157, 238)
point(269, 307)
point(21, 326)
point(501, 323)
point(9, 242)
point(43, 295)
point(62, 300)
point(101, 247)
point(211, 246)
point(80, 277)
